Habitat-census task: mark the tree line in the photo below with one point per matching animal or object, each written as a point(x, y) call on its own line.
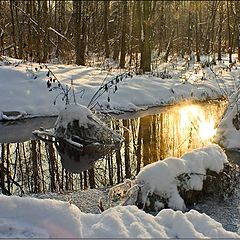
point(131, 33)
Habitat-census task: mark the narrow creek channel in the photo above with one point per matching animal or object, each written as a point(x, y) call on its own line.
point(32, 166)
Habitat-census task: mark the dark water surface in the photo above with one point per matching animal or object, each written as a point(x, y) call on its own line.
point(149, 136)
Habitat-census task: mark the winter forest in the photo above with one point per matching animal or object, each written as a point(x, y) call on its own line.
point(119, 119)
point(128, 32)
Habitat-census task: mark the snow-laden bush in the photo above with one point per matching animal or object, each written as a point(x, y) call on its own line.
point(179, 182)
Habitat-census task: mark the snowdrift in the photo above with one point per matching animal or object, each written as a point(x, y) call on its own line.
point(37, 218)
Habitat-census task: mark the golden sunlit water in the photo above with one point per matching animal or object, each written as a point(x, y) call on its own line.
point(194, 116)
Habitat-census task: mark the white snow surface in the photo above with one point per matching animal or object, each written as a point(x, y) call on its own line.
point(73, 112)
point(160, 177)
point(24, 89)
point(26, 217)
point(227, 135)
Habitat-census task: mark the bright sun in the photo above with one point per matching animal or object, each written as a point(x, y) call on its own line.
point(195, 115)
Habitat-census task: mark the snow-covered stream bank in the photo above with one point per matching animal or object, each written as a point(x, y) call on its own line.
point(24, 91)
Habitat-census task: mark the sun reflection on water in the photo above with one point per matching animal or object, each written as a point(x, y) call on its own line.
point(192, 116)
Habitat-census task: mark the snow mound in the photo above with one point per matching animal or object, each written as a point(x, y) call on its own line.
point(228, 133)
point(73, 112)
point(77, 121)
point(38, 218)
point(161, 177)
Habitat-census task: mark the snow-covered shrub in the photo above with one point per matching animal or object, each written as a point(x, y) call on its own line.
point(179, 182)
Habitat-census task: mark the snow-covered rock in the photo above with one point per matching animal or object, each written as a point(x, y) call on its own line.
point(162, 177)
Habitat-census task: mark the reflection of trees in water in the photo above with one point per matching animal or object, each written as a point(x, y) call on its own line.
point(35, 166)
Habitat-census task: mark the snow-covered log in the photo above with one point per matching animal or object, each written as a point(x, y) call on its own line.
point(79, 123)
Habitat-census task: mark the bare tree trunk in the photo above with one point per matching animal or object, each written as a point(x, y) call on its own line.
point(19, 33)
point(79, 33)
point(220, 38)
point(91, 174)
point(126, 150)
point(105, 35)
point(138, 30)
point(229, 33)
point(169, 47)
point(46, 41)
point(123, 35)
point(190, 17)
point(146, 49)
point(197, 35)
point(13, 28)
